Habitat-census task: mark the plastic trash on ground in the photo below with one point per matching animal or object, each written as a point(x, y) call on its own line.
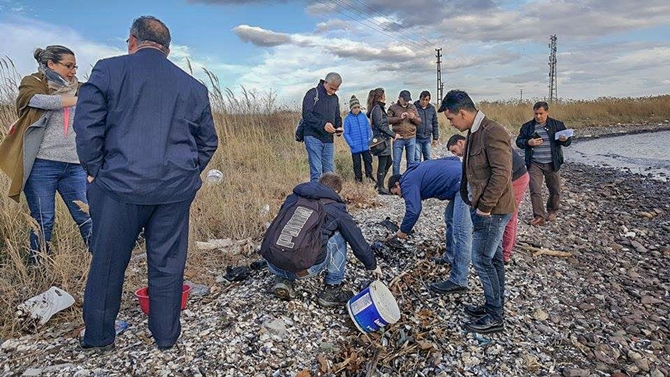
point(43, 306)
point(119, 328)
point(214, 176)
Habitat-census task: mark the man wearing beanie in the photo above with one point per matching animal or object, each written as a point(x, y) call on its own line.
point(357, 133)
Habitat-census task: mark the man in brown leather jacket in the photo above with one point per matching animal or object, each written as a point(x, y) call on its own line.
point(487, 187)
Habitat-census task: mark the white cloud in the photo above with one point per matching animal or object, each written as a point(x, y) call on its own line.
point(22, 35)
point(260, 36)
point(20, 39)
point(332, 25)
point(491, 48)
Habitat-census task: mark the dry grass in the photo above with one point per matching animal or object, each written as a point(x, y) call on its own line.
point(261, 164)
point(582, 113)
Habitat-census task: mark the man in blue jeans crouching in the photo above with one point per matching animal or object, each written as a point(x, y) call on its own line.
point(336, 229)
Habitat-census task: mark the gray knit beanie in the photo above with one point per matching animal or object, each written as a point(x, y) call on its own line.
point(354, 102)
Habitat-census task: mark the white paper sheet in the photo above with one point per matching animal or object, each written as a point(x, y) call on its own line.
point(567, 133)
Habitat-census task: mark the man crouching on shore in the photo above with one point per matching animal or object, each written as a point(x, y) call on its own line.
point(310, 235)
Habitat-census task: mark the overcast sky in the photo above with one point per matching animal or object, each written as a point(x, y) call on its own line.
point(491, 49)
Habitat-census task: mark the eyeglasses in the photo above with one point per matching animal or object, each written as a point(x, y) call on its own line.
point(69, 66)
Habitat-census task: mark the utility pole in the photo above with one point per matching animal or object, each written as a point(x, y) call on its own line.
point(521, 96)
point(440, 84)
point(553, 82)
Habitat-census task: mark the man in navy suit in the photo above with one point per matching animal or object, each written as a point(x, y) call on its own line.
point(144, 134)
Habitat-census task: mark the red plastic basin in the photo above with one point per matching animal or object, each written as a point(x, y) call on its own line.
point(142, 295)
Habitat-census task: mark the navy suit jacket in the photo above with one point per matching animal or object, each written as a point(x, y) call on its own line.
point(144, 129)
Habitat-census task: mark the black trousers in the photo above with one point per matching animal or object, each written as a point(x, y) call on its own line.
point(385, 163)
point(367, 160)
point(116, 226)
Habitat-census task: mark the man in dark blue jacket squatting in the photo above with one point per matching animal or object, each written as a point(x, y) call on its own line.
point(338, 229)
point(144, 134)
point(440, 179)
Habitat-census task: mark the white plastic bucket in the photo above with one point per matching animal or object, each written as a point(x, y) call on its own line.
point(373, 308)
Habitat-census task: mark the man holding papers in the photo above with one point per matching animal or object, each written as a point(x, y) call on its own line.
point(542, 139)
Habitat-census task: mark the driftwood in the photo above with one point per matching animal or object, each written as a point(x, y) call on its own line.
point(552, 253)
point(397, 279)
point(372, 366)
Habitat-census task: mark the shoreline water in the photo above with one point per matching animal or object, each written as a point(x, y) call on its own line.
point(594, 132)
point(640, 151)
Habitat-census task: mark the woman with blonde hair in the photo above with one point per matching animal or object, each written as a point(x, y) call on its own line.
point(39, 154)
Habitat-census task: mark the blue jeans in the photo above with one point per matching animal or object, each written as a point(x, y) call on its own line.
point(335, 263)
point(487, 259)
point(321, 157)
point(46, 178)
point(398, 146)
point(459, 240)
point(422, 148)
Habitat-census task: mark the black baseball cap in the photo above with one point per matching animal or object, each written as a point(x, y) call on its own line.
point(405, 94)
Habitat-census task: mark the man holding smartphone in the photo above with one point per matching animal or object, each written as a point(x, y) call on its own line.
point(322, 119)
point(544, 157)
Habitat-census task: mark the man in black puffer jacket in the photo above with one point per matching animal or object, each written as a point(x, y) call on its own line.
point(427, 133)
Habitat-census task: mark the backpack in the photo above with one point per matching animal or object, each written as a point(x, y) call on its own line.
point(300, 128)
point(293, 240)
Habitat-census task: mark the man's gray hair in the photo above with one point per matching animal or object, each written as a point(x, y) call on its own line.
point(333, 78)
point(151, 29)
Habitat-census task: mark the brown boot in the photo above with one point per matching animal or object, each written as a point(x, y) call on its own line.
point(552, 216)
point(537, 221)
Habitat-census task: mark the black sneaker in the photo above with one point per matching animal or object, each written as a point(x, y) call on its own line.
point(334, 295)
point(383, 191)
point(87, 348)
point(446, 288)
point(485, 325)
point(167, 348)
point(474, 311)
point(283, 288)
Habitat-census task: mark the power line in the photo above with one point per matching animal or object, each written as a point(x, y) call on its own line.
point(370, 25)
point(369, 19)
point(376, 25)
point(430, 43)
